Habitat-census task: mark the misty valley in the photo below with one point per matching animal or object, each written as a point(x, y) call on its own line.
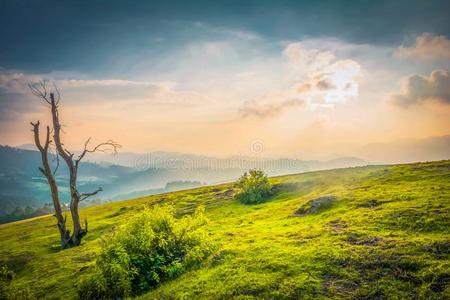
point(25, 193)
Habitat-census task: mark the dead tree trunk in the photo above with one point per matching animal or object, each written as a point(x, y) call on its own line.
point(78, 232)
point(49, 174)
point(72, 163)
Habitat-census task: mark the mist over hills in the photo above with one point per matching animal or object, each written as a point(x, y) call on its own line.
point(21, 183)
point(404, 151)
point(398, 151)
point(129, 174)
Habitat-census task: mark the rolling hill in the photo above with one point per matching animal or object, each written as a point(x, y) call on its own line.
point(383, 235)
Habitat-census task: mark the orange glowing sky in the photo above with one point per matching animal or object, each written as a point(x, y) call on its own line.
point(228, 87)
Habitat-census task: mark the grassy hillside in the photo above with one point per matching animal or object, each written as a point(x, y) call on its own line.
point(386, 235)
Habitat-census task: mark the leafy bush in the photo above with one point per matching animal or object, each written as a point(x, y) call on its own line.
point(154, 247)
point(254, 187)
point(8, 290)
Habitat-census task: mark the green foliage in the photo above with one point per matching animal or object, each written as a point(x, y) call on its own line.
point(6, 277)
point(154, 247)
point(254, 187)
point(8, 288)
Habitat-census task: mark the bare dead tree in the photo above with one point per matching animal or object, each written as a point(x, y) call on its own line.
point(50, 175)
point(41, 90)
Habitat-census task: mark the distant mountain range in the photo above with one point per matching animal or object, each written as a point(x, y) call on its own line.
point(407, 150)
point(398, 151)
point(130, 174)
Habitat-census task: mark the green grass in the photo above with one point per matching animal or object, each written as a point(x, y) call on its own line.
point(386, 236)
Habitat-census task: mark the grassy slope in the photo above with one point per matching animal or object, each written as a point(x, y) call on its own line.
point(396, 246)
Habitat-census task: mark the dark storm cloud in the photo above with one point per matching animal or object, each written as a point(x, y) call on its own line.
point(90, 36)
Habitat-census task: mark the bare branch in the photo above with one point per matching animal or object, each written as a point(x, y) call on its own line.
point(39, 89)
point(84, 196)
point(42, 171)
point(85, 150)
point(58, 94)
point(68, 152)
point(37, 140)
point(107, 146)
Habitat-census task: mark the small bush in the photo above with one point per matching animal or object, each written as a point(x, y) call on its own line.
point(254, 187)
point(8, 289)
point(154, 247)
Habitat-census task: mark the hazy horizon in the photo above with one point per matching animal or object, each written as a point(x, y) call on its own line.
point(398, 151)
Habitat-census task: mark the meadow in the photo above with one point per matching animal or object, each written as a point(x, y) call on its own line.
point(383, 233)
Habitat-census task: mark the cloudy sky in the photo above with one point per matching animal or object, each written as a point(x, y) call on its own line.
point(309, 79)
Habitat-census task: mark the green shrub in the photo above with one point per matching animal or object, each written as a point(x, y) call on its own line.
point(254, 187)
point(8, 290)
point(153, 247)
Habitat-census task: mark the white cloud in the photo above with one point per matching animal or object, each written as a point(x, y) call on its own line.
point(16, 82)
point(314, 77)
point(16, 97)
point(304, 58)
point(328, 80)
point(211, 50)
point(252, 108)
point(427, 47)
point(418, 89)
point(74, 83)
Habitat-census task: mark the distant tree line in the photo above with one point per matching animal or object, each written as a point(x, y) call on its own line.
point(20, 213)
point(27, 212)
